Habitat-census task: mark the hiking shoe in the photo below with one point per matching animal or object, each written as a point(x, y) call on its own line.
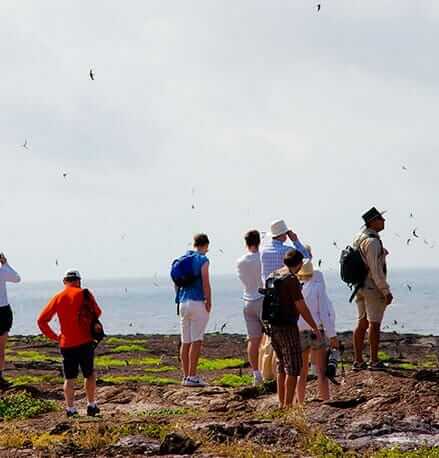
point(378, 366)
point(72, 414)
point(92, 411)
point(4, 383)
point(183, 381)
point(195, 381)
point(356, 367)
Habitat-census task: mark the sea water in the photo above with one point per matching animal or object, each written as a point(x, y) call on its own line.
point(147, 306)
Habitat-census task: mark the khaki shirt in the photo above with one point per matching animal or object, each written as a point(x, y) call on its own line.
point(374, 256)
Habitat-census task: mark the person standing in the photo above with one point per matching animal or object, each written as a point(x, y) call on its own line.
point(285, 337)
point(272, 258)
point(7, 274)
point(375, 295)
point(250, 274)
point(322, 310)
point(75, 339)
point(195, 305)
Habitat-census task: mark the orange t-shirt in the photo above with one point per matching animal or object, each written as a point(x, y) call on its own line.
point(66, 304)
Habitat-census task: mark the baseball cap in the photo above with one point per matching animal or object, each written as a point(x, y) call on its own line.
point(72, 275)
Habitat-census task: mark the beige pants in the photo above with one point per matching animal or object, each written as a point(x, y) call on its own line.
point(267, 359)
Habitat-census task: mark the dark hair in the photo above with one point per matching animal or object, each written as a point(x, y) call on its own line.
point(252, 238)
point(201, 240)
point(293, 258)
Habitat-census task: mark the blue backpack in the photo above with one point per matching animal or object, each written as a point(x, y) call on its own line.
point(182, 274)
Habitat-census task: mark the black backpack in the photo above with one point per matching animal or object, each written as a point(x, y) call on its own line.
point(88, 316)
point(271, 307)
point(353, 269)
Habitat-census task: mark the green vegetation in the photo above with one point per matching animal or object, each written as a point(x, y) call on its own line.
point(108, 361)
point(429, 362)
point(407, 366)
point(35, 379)
point(124, 341)
point(152, 430)
point(168, 412)
point(220, 364)
point(234, 381)
point(128, 348)
point(161, 369)
point(23, 405)
point(422, 452)
point(384, 356)
point(321, 446)
point(147, 379)
point(33, 356)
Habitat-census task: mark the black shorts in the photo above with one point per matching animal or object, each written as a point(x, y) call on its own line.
point(5, 319)
point(78, 357)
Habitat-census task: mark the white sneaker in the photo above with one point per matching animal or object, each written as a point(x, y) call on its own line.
point(258, 380)
point(195, 381)
point(183, 381)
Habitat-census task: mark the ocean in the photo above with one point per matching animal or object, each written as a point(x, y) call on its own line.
point(147, 306)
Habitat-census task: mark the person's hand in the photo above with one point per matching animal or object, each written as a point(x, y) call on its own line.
point(3, 259)
point(388, 299)
point(333, 342)
point(292, 236)
point(208, 306)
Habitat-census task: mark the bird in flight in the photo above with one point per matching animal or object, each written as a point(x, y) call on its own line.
point(412, 215)
point(223, 327)
point(24, 145)
point(415, 233)
point(404, 167)
point(123, 236)
point(320, 263)
point(64, 175)
point(318, 7)
point(92, 75)
point(335, 244)
point(409, 241)
point(409, 287)
point(155, 282)
point(56, 262)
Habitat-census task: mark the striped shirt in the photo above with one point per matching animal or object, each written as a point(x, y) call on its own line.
point(273, 253)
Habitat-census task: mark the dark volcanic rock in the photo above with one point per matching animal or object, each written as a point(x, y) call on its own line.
point(178, 444)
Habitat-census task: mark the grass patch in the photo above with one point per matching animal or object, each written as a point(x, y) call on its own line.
point(108, 361)
point(233, 381)
point(12, 438)
point(128, 348)
point(384, 356)
point(429, 362)
point(151, 430)
point(321, 446)
point(124, 341)
point(422, 452)
point(220, 364)
point(23, 405)
point(161, 369)
point(95, 437)
point(35, 379)
point(47, 440)
point(33, 356)
point(407, 366)
point(168, 412)
point(147, 379)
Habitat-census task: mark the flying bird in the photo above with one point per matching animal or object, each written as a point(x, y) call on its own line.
point(320, 263)
point(397, 235)
point(126, 290)
point(56, 262)
point(155, 282)
point(404, 167)
point(64, 175)
point(335, 244)
point(24, 145)
point(395, 322)
point(92, 75)
point(414, 233)
point(409, 241)
point(223, 326)
point(318, 7)
point(123, 236)
point(412, 215)
point(221, 250)
point(426, 242)
point(409, 287)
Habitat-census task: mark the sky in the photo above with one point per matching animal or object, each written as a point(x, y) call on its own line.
point(251, 111)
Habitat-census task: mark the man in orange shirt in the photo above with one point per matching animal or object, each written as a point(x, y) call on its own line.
point(75, 339)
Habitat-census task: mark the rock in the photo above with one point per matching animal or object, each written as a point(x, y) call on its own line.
point(426, 375)
point(61, 428)
point(137, 444)
point(178, 444)
point(217, 405)
point(345, 403)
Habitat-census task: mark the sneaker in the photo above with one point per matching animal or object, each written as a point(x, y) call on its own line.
point(92, 411)
point(4, 383)
point(356, 367)
point(378, 366)
point(72, 414)
point(183, 381)
point(258, 380)
point(195, 381)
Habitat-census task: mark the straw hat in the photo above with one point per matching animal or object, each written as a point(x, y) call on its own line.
point(278, 227)
point(307, 270)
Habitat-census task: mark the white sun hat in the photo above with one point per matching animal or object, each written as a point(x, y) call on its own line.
point(278, 227)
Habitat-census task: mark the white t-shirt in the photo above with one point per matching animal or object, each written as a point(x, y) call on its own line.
point(249, 272)
point(7, 274)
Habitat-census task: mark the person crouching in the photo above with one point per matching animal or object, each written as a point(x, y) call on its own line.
point(75, 339)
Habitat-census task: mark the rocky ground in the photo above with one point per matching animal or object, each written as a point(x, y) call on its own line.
point(146, 412)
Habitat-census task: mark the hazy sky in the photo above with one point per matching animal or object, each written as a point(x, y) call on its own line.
point(267, 109)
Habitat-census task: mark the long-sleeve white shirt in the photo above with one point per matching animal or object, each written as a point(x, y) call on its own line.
point(7, 274)
point(249, 272)
point(319, 304)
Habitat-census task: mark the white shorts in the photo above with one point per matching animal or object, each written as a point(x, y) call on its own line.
point(193, 319)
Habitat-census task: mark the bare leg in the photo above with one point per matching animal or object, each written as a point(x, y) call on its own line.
point(194, 356)
point(374, 340)
point(321, 373)
point(281, 389)
point(253, 352)
point(359, 334)
point(290, 389)
point(3, 340)
point(184, 356)
point(90, 388)
point(69, 392)
point(301, 386)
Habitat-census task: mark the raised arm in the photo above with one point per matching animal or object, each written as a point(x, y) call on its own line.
point(7, 273)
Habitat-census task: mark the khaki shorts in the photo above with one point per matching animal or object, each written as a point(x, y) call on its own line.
point(193, 320)
point(253, 317)
point(308, 341)
point(371, 305)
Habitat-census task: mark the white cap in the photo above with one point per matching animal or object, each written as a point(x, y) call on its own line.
point(278, 227)
point(72, 274)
